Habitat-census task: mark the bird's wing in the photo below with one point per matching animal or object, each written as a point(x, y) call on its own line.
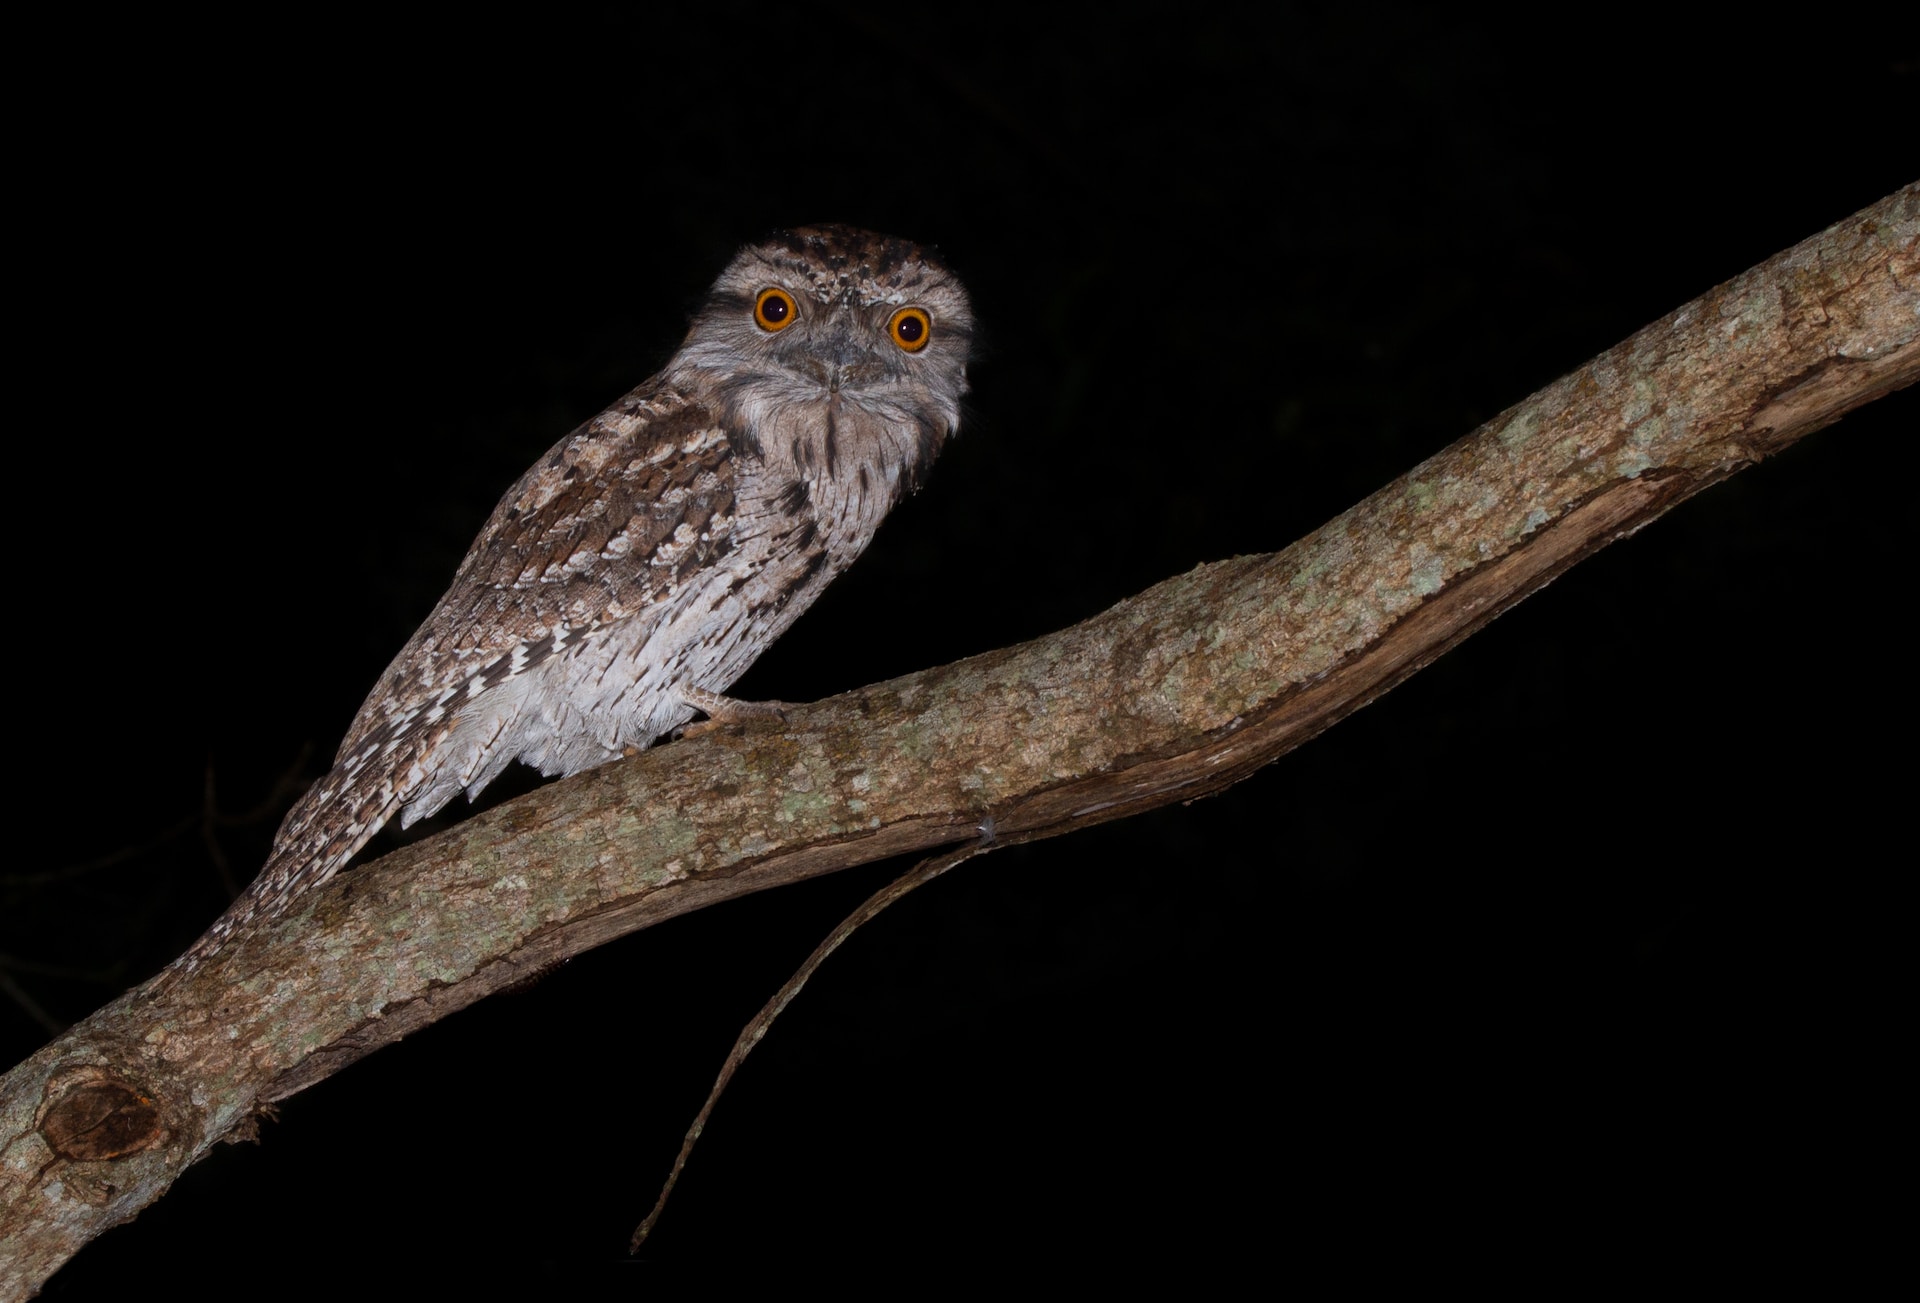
point(599, 531)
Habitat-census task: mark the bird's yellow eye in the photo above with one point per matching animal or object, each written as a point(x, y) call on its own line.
point(774, 310)
point(910, 328)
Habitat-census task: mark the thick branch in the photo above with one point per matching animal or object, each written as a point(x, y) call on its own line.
point(1175, 693)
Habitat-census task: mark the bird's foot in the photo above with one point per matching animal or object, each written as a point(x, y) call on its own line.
point(725, 710)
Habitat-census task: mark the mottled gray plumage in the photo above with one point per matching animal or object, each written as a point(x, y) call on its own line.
point(650, 557)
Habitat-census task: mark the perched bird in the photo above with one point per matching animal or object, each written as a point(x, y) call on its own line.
point(648, 559)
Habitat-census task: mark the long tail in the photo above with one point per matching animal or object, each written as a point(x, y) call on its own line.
point(324, 829)
point(419, 758)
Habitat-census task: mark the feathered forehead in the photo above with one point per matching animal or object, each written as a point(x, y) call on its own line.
point(843, 263)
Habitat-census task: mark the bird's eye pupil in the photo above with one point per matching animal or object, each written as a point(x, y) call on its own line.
point(773, 309)
point(910, 327)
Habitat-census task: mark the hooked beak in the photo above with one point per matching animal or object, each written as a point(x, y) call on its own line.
point(838, 359)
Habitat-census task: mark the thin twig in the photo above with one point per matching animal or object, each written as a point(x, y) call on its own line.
point(750, 1035)
point(66, 872)
point(18, 994)
point(286, 786)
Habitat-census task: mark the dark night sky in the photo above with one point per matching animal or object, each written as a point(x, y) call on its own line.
point(1570, 940)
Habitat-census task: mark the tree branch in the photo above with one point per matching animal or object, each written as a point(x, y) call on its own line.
point(1173, 694)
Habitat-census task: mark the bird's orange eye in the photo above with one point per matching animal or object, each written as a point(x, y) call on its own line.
point(774, 310)
point(911, 328)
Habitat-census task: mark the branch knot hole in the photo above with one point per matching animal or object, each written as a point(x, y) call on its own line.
point(91, 1115)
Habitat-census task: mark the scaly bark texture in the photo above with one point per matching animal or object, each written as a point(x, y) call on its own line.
point(1175, 693)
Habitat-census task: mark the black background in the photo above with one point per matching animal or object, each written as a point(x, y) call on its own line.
point(1567, 948)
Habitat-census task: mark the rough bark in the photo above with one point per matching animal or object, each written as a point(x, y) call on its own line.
point(1175, 693)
